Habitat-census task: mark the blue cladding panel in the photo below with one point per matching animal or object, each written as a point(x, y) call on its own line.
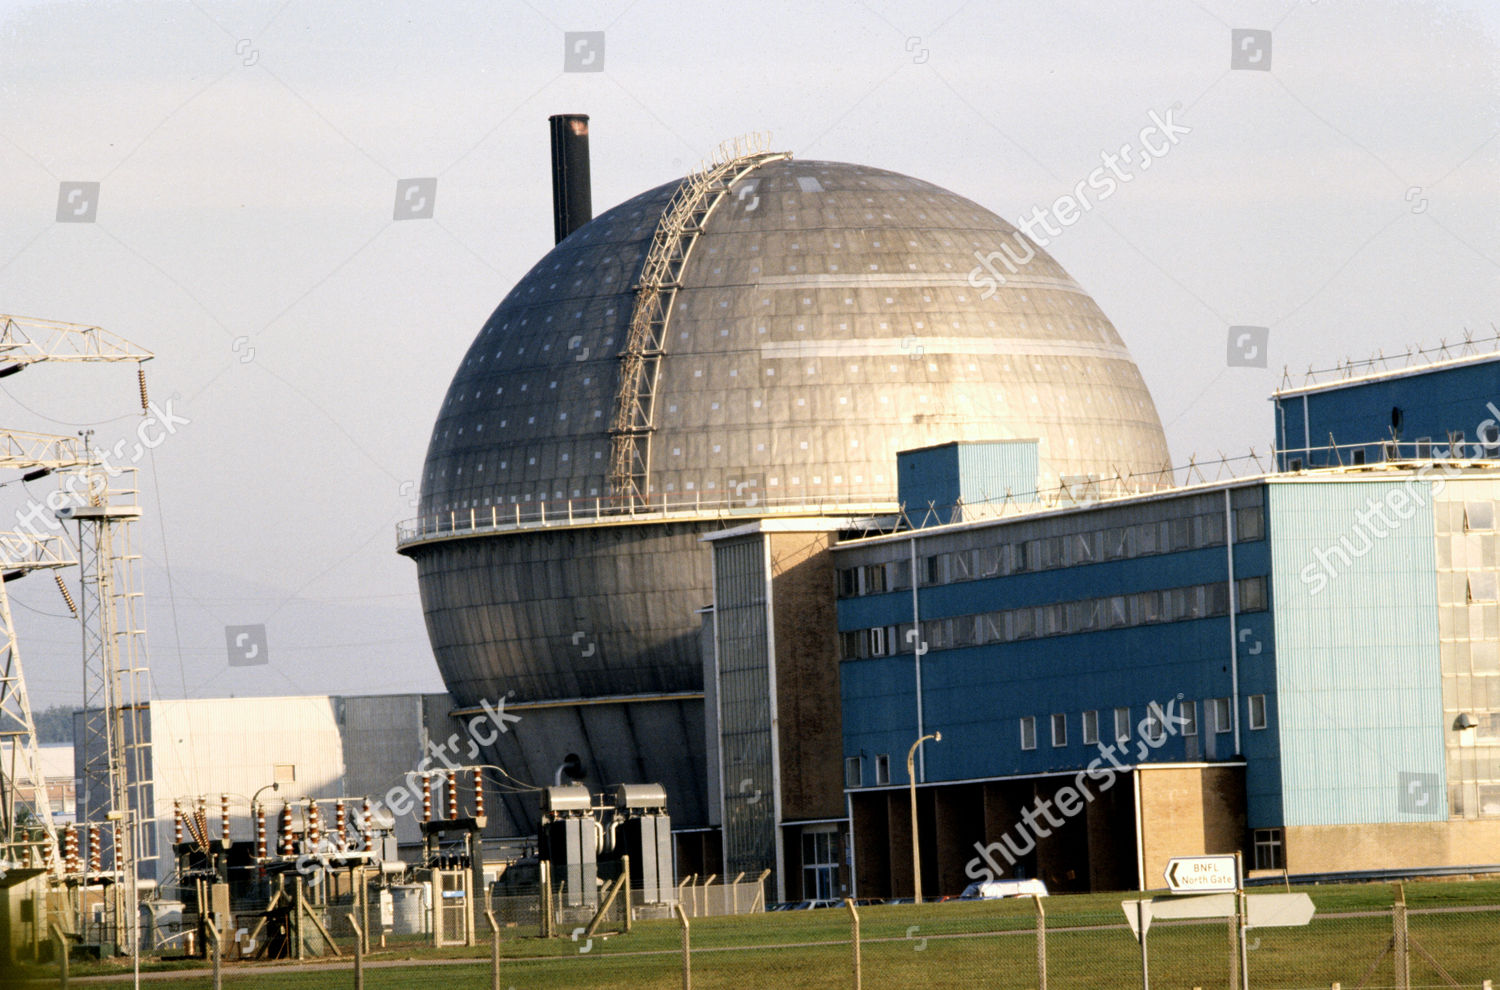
point(1432, 404)
point(927, 477)
point(1358, 685)
point(977, 695)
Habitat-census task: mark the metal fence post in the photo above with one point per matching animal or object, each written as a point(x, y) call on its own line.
point(1234, 949)
point(1140, 919)
point(494, 949)
point(1399, 940)
point(364, 910)
point(213, 933)
point(687, 949)
point(854, 938)
point(1041, 942)
point(62, 953)
point(625, 865)
point(359, 956)
point(544, 869)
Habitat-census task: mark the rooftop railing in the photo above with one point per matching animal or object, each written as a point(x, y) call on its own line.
point(561, 513)
point(1077, 491)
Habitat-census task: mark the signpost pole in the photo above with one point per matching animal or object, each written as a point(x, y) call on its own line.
point(1241, 919)
point(1140, 916)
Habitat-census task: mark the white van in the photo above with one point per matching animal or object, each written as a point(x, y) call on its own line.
point(994, 889)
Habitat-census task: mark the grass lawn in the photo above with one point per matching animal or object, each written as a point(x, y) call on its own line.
point(955, 944)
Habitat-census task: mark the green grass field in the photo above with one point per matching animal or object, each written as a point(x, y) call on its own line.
point(951, 945)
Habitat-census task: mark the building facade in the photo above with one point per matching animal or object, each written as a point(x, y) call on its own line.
point(1302, 666)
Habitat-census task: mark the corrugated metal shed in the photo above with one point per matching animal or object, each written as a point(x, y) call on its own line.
point(934, 481)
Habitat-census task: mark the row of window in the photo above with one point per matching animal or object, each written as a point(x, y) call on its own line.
point(854, 770)
point(1152, 728)
point(1052, 552)
point(1143, 608)
point(1421, 449)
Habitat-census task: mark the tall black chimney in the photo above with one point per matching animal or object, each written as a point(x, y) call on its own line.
point(572, 203)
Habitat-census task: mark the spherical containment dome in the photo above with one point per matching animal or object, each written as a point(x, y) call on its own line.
point(829, 315)
point(825, 317)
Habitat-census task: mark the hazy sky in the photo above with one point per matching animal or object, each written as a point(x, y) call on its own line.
point(248, 157)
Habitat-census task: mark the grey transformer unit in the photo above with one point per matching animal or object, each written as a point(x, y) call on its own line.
point(576, 838)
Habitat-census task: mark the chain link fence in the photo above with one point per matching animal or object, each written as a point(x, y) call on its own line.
point(1366, 936)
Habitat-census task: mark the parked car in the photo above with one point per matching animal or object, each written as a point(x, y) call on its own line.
point(805, 905)
point(994, 889)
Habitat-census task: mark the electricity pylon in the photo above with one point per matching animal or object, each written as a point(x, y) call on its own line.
point(112, 745)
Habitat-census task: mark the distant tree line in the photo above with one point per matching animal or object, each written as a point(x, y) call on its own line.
point(55, 724)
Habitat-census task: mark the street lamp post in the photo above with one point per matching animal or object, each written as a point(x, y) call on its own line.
point(255, 798)
point(911, 779)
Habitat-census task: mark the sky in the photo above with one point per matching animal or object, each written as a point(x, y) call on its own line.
point(1335, 180)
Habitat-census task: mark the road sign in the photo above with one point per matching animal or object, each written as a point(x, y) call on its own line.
point(1261, 910)
point(1277, 910)
point(1201, 874)
point(1205, 906)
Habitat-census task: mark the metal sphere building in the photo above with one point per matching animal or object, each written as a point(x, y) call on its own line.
point(757, 339)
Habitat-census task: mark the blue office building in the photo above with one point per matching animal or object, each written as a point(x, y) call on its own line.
point(1301, 666)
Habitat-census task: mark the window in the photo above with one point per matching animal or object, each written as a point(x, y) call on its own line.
point(1059, 730)
point(882, 769)
point(935, 569)
point(1488, 730)
point(1482, 586)
point(849, 644)
point(1081, 548)
point(1250, 594)
point(285, 773)
point(1219, 708)
point(1269, 849)
point(820, 865)
point(1091, 728)
point(1479, 515)
point(1295, 464)
point(854, 772)
point(874, 579)
point(1122, 725)
point(1189, 718)
point(1424, 448)
point(1358, 456)
point(848, 582)
point(1155, 728)
point(1028, 732)
point(1456, 443)
point(1257, 711)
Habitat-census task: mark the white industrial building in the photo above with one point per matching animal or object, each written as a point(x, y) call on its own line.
point(279, 751)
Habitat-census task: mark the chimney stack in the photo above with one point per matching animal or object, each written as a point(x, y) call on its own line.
point(572, 202)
